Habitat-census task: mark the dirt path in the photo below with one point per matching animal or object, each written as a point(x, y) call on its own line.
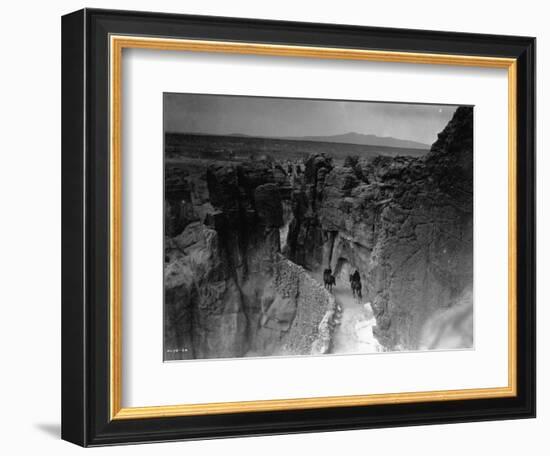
point(354, 333)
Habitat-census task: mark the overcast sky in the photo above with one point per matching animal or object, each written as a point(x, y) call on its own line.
point(283, 117)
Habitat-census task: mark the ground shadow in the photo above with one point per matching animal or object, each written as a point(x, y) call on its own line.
point(52, 429)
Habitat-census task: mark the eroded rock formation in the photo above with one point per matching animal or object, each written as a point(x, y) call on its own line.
point(228, 290)
point(240, 237)
point(404, 223)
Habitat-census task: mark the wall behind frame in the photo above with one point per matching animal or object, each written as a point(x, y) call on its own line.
point(30, 232)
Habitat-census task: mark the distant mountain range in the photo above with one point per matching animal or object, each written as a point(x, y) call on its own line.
point(357, 138)
point(339, 147)
point(367, 140)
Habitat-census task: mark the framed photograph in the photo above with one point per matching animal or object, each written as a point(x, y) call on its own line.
point(277, 227)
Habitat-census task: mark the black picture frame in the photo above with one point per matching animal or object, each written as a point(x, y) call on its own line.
point(85, 228)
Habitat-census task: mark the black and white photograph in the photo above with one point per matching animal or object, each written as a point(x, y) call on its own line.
point(275, 228)
point(299, 227)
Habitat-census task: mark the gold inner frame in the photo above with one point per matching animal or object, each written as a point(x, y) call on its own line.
point(117, 44)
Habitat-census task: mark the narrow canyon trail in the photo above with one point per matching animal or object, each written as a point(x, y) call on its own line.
point(354, 333)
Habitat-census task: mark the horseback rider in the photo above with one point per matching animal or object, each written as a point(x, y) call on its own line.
point(356, 277)
point(355, 282)
point(328, 279)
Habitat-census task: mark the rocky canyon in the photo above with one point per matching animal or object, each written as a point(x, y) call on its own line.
point(248, 235)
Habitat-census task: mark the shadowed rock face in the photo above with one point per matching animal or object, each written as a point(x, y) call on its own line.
point(179, 210)
point(306, 235)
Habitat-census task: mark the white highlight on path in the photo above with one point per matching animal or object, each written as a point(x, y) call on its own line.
point(354, 334)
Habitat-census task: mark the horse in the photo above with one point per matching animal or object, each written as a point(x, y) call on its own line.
point(330, 281)
point(326, 275)
point(355, 282)
point(356, 289)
